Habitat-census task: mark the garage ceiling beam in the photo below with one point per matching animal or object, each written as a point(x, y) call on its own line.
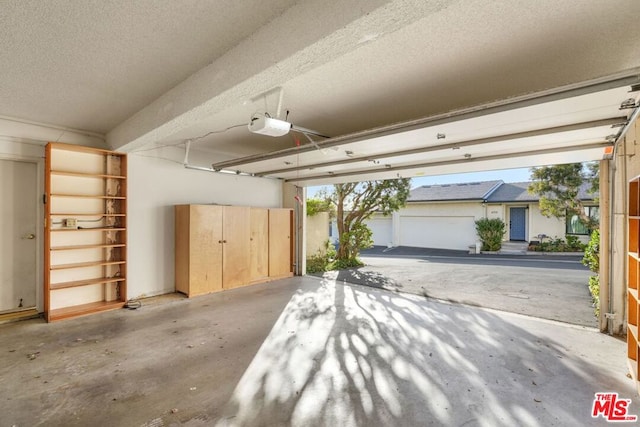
point(408, 166)
point(453, 145)
point(626, 78)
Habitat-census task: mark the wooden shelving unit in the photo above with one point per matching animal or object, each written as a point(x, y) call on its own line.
point(85, 231)
point(633, 279)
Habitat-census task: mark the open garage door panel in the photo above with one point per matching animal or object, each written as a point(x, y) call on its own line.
point(441, 232)
point(564, 125)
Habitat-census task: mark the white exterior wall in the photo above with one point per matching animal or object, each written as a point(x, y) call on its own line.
point(540, 224)
point(449, 224)
point(154, 187)
point(317, 232)
point(496, 211)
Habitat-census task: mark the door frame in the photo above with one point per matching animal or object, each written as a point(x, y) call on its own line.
point(526, 222)
point(39, 162)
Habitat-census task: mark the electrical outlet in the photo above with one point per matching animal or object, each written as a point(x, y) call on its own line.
point(69, 223)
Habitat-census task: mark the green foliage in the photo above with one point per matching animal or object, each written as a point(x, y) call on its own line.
point(354, 204)
point(592, 253)
point(359, 236)
point(594, 288)
point(490, 232)
point(558, 188)
point(572, 244)
point(322, 260)
point(341, 264)
point(592, 260)
point(315, 206)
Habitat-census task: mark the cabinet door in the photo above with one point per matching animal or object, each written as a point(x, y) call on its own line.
point(235, 256)
point(259, 245)
point(280, 230)
point(205, 252)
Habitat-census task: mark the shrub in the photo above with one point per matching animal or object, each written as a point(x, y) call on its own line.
point(592, 260)
point(490, 232)
point(572, 244)
point(322, 260)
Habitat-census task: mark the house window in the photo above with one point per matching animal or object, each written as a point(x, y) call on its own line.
point(576, 226)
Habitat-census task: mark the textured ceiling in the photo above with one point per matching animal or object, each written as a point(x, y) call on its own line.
point(91, 64)
point(161, 72)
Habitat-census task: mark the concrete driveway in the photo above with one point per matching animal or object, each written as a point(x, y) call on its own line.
point(548, 287)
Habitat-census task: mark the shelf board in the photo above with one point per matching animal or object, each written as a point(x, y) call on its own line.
point(90, 229)
point(633, 330)
point(86, 175)
point(80, 247)
point(87, 282)
point(85, 264)
point(85, 196)
point(633, 370)
point(80, 310)
point(71, 215)
point(633, 292)
point(634, 255)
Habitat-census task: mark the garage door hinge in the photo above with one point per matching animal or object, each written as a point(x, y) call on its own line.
point(609, 315)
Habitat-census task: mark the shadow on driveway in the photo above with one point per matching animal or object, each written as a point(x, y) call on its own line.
point(553, 288)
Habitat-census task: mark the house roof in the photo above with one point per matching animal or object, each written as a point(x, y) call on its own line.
point(517, 192)
point(453, 192)
point(489, 191)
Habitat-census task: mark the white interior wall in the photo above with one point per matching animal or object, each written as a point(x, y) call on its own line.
point(154, 186)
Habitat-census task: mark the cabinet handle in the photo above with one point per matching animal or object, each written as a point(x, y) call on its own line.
point(224, 241)
point(219, 241)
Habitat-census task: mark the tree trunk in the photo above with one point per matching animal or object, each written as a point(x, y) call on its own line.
point(342, 249)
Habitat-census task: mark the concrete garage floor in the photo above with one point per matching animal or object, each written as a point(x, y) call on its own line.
point(550, 287)
point(306, 352)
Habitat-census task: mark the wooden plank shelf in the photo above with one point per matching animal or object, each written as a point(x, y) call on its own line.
point(90, 229)
point(88, 196)
point(83, 309)
point(87, 282)
point(88, 214)
point(85, 264)
point(86, 175)
point(82, 247)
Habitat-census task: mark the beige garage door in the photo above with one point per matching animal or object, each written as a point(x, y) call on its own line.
point(381, 229)
point(441, 232)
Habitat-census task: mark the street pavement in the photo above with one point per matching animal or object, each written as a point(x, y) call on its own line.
point(548, 287)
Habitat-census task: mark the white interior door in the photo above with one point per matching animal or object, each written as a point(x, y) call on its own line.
point(18, 225)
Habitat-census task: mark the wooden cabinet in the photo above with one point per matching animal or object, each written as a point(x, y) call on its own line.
point(236, 232)
point(280, 242)
point(225, 247)
point(633, 278)
point(85, 230)
point(198, 249)
point(259, 245)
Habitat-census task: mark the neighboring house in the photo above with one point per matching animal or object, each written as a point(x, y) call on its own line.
point(443, 216)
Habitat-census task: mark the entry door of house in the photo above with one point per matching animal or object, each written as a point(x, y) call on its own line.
point(517, 223)
point(18, 224)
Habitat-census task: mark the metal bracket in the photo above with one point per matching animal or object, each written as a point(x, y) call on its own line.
point(628, 104)
point(609, 315)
